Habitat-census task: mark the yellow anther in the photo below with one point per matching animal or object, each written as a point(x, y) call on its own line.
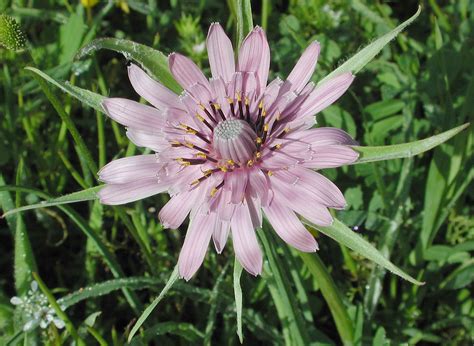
point(247, 101)
point(264, 113)
point(214, 191)
point(189, 145)
point(223, 168)
point(175, 143)
point(260, 105)
point(258, 154)
point(202, 155)
point(200, 118)
point(202, 106)
point(265, 128)
point(217, 106)
point(238, 96)
point(270, 173)
point(278, 146)
point(230, 100)
point(184, 126)
point(250, 163)
point(208, 172)
point(231, 162)
point(259, 140)
point(287, 130)
point(195, 182)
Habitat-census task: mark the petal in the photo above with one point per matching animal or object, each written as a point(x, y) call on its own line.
point(134, 115)
point(195, 244)
point(220, 52)
point(173, 213)
point(254, 56)
point(152, 91)
point(245, 242)
point(238, 183)
point(185, 71)
point(129, 169)
point(304, 68)
point(115, 194)
point(330, 156)
point(147, 139)
point(260, 187)
point(326, 94)
point(322, 136)
point(220, 234)
point(287, 225)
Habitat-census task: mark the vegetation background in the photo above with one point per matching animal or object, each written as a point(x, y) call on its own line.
point(417, 211)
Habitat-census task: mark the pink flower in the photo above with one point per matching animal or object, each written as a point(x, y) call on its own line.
point(231, 147)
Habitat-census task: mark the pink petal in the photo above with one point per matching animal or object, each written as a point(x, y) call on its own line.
point(220, 52)
point(260, 187)
point(289, 227)
point(129, 169)
point(195, 244)
point(220, 235)
point(326, 94)
point(173, 213)
point(185, 71)
point(330, 156)
point(254, 56)
point(115, 194)
point(304, 68)
point(322, 136)
point(152, 91)
point(245, 242)
point(148, 140)
point(238, 183)
point(134, 115)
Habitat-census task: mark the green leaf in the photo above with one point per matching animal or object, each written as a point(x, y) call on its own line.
point(397, 151)
point(106, 287)
point(173, 277)
point(331, 295)
point(342, 234)
point(85, 96)
point(154, 61)
point(80, 196)
point(364, 56)
point(238, 298)
point(242, 12)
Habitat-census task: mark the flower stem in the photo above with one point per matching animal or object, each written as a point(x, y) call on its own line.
point(332, 296)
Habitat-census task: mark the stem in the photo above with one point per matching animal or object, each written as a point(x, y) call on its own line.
point(332, 296)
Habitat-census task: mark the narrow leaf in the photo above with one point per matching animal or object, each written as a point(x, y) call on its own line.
point(364, 56)
point(242, 12)
point(80, 196)
point(342, 234)
point(85, 96)
point(397, 151)
point(154, 61)
point(173, 277)
point(238, 298)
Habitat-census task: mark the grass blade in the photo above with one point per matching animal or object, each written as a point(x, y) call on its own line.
point(238, 298)
point(154, 61)
point(342, 234)
point(242, 12)
point(85, 96)
point(80, 196)
point(397, 151)
point(173, 277)
point(364, 56)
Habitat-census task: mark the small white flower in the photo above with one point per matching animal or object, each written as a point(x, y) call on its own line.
point(35, 310)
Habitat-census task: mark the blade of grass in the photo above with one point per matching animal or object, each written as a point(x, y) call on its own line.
point(238, 298)
point(143, 317)
point(242, 12)
point(344, 235)
point(397, 151)
point(331, 295)
point(61, 314)
point(84, 151)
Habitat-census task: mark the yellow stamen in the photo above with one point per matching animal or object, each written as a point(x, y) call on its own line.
point(204, 156)
point(265, 127)
point(214, 191)
point(238, 96)
point(230, 100)
point(230, 162)
point(258, 154)
point(223, 168)
point(259, 140)
point(189, 145)
point(270, 173)
point(217, 106)
point(278, 146)
point(201, 119)
point(247, 101)
point(195, 182)
point(250, 163)
point(260, 105)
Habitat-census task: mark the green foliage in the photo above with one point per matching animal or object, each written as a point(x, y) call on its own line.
point(105, 264)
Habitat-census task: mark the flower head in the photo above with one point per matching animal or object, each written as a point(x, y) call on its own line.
point(230, 147)
point(35, 310)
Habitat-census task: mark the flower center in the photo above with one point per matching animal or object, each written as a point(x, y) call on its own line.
point(234, 140)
